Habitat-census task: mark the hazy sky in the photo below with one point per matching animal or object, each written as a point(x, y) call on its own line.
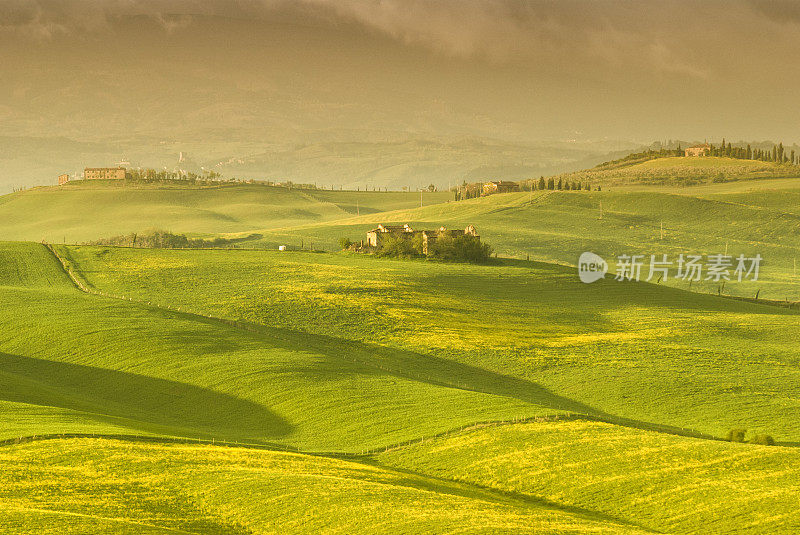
point(517, 69)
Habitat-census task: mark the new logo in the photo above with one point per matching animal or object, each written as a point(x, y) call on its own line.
point(591, 267)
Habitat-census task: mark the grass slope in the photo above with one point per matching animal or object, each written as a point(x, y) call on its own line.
point(84, 211)
point(528, 331)
point(559, 226)
point(101, 486)
point(665, 483)
point(682, 171)
point(548, 226)
point(574, 477)
point(76, 362)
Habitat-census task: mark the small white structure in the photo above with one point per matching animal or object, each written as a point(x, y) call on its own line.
point(281, 247)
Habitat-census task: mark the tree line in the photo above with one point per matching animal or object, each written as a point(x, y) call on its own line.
point(777, 153)
point(161, 239)
point(153, 175)
point(472, 191)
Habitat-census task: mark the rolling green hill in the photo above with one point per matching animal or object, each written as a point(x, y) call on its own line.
point(101, 486)
point(573, 477)
point(745, 217)
point(374, 366)
point(558, 226)
point(665, 483)
point(681, 171)
point(84, 211)
point(638, 354)
point(70, 361)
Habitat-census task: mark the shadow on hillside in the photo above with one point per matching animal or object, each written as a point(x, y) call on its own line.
point(471, 490)
point(370, 358)
point(428, 369)
point(590, 304)
point(136, 401)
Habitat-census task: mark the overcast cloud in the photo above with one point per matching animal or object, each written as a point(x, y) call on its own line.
point(681, 64)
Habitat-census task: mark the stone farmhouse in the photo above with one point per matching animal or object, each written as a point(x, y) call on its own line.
point(502, 186)
point(376, 236)
point(63, 179)
point(104, 173)
point(698, 150)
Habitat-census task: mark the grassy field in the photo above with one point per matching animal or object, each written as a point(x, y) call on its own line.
point(101, 486)
point(665, 483)
point(682, 171)
point(745, 217)
point(84, 211)
point(642, 352)
point(377, 366)
point(559, 226)
point(573, 477)
point(84, 363)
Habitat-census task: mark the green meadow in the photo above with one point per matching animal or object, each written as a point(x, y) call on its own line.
point(87, 210)
point(663, 483)
point(249, 390)
point(111, 365)
point(655, 355)
point(557, 226)
point(107, 486)
point(682, 171)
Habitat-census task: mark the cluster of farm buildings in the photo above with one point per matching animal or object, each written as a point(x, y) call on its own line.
point(97, 173)
point(698, 150)
point(376, 237)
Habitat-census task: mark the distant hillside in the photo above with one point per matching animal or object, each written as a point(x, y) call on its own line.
point(85, 211)
point(665, 164)
point(679, 171)
point(746, 217)
point(374, 159)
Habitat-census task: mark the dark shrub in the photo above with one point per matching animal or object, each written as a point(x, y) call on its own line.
point(736, 435)
point(464, 248)
point(345, 243)
point(397, 246)
point(763, 440)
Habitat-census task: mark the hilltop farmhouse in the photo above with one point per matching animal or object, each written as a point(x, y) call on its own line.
point(376, 236)
point(698, 150)
point(63, 179)
point(502, 186)
point(104, 173)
